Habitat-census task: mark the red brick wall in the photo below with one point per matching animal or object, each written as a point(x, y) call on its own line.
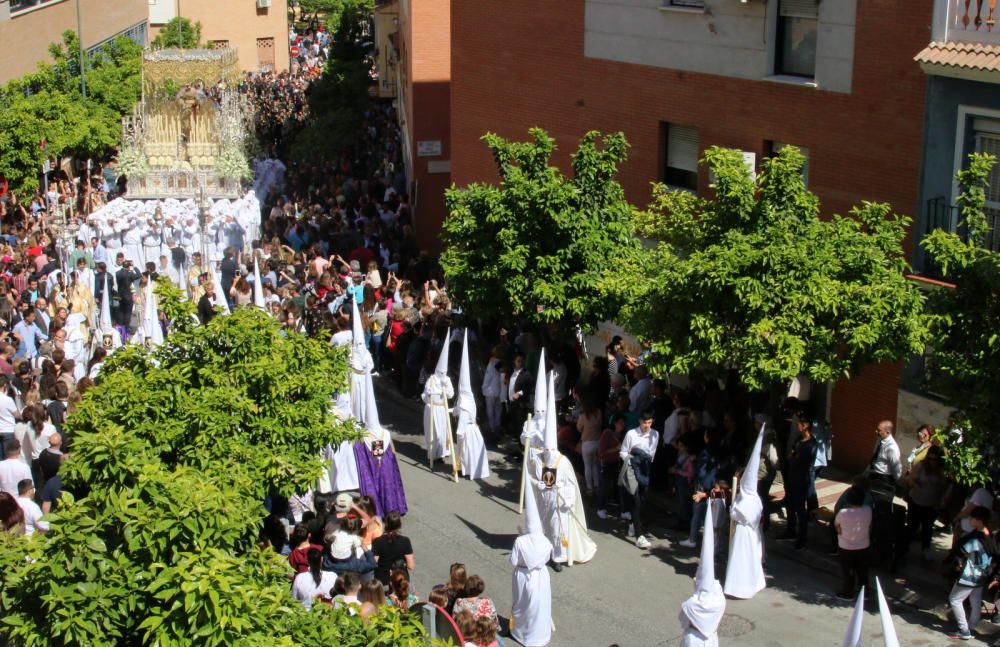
point(426, 28)
point(520, 63)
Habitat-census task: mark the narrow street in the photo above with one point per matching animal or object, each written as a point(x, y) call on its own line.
point(625, 596)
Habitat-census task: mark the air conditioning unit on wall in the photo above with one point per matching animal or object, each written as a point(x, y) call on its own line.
point(263, 4)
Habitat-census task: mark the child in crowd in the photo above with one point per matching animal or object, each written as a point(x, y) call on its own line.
point(853, 524)
point(683, 473)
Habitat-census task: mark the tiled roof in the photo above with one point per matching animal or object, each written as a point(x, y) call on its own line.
point(972, 56)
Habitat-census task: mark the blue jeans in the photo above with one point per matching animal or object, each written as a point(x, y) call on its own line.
point(607, 481)
point(376, 350)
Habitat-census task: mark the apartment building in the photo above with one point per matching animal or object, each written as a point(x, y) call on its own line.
point(28, 27)
point(834, 77)
point(258, 29)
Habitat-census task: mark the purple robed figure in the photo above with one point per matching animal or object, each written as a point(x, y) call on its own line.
point(379, 475)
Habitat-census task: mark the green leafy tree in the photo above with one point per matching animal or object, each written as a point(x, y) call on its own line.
point(538, 247)
point(965, 322)
point(755, 280)
point(180, 33)
point(339, 98)
point(155, 538)
point(48, 104)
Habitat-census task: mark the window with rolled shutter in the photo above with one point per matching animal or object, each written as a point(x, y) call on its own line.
point(799, 9)
point(988, 141)
point(682, 157)
point(795, 42)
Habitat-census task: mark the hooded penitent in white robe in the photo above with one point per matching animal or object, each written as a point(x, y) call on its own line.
point(437, 391)
point(106, 336)
point(472, 448)
point(76, 344)
point(745, 571)
point(553, 483)
point(702, 612)
point(361, 365)
point(531, 591)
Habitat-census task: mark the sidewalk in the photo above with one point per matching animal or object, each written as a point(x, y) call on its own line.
point(920, 585)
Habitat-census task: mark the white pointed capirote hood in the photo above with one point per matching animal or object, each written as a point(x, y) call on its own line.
point(220, 296)
point(357, 333)
point(104, 318)
point(853, 636)
point(541, 394)
point(551, 422)
point(466, 398)
point(706, 566)
point(706, 606)
point(748, 482)
point(888, 629)
point(258, 287)
point(442, 365)
point(371, 421)
point(532, 521)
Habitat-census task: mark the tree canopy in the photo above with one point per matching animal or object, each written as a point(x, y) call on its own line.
point(754, 279)
point(179, 32)
point(965, 321)
point(155, 539)
point(339, 98)
point(537, 247)
point(48, 104)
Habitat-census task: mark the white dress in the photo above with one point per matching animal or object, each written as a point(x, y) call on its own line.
point(437, 391)
point(531, 591)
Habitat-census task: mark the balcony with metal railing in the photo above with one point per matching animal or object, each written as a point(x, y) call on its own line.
point(939, 213)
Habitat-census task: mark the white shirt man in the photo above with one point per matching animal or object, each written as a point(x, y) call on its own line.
point(642, 392)
point(886, 461)
point(13, 469)
point(645, 439)
point(8, 411)
point(32, 513)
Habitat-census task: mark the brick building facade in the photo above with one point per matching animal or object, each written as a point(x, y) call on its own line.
point(859, 116)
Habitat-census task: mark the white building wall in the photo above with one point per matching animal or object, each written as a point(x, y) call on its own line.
point(728, 38)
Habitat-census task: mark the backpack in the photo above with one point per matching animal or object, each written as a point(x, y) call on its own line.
point(975, 568)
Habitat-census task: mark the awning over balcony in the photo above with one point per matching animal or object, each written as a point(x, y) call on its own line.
point(973, 61)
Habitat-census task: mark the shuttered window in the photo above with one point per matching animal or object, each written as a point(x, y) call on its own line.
point(799, 9)
point(682, 148)
point(795, 46)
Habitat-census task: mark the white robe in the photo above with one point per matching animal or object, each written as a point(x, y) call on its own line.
point(474, 463)
point(361, 365)
point(561, 511)
point(745, 572)
point(437, 391)
point(531, 591)
point(341, 470)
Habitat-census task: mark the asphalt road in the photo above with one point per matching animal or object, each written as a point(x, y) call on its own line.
point(624, 596)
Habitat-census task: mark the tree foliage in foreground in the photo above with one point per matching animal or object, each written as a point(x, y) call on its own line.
point(755, 280)
point(48, 104)
point(538, 247)
point(154, 541)
point(965, 321)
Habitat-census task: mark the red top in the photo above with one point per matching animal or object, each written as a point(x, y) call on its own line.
point(298, 559)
